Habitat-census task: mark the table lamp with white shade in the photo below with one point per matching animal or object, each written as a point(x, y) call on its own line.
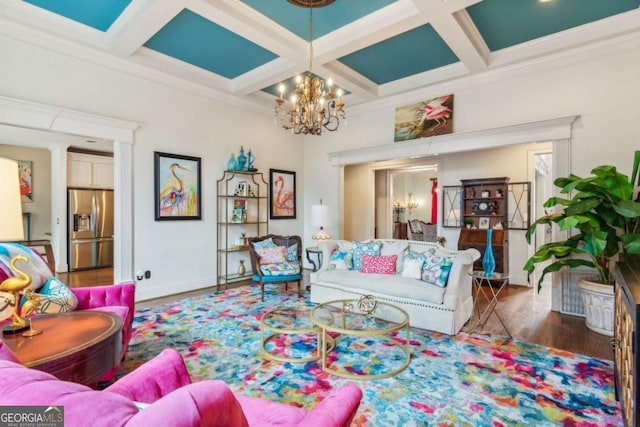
point(320, 218)
point(11, 229)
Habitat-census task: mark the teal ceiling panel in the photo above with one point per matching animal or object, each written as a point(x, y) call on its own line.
point(415, 51)
point(99, 14)
point(325, 19)
point(505, 23)
point(193, 39)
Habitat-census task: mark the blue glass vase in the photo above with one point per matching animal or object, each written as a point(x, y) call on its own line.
point(488, 262)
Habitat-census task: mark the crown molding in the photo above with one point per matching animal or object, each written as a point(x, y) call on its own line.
point(27, 114)
point(545, 130)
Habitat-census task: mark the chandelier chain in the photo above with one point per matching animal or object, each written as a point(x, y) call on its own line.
point(310, 40)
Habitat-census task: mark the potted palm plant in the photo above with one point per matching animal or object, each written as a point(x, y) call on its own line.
point(602, 218)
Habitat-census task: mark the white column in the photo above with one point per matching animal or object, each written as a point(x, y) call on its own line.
point(59, 205)
point(123, 211)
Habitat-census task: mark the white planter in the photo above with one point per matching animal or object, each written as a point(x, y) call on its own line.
point(598, 302)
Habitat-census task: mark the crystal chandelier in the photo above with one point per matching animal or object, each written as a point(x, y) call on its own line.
point(313, 105)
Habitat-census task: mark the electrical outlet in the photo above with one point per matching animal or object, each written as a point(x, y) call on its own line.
point(147, 274)
point(140, 275)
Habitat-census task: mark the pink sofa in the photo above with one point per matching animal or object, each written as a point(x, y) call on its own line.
point(165, 385)
point(118, 299)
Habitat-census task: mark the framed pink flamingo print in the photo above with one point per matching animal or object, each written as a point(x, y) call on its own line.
point(282, 194)
point(424, 119)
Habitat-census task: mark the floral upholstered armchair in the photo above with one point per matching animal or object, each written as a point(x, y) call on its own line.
point(276, 259)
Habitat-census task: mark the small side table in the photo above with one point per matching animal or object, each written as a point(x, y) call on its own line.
point(318, 253)
point(497, 283)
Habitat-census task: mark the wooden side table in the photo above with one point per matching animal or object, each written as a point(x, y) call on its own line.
point(79, 346)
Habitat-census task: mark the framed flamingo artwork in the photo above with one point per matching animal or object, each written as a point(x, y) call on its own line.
point(282, 194)
point(177, 187)
point(424, 119)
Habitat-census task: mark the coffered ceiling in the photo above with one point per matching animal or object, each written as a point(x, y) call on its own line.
point(242, 49)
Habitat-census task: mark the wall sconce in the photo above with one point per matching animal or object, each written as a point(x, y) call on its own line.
point(411, 205)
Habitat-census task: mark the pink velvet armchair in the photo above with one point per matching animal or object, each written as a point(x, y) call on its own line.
point(118, 299)
point(163, 384)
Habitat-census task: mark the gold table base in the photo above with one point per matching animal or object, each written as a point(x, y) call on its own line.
point(277, 331)
point(342, 328)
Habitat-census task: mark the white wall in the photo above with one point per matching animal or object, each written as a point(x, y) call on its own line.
point(40, 207)
point(602, 92)
point(180, 254)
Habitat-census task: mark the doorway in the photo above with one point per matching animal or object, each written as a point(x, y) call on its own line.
point(541, 175)
point(59, 124)
point(371, 190)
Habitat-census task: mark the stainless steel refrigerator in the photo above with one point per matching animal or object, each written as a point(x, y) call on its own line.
point(90, 228)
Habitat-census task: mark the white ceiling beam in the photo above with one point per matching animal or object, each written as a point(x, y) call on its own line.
point(348, 79)
point(246, 22)
point(454, 25)
point(380, 25)
point(141, 21)
point(270, 73)
point(159, 61)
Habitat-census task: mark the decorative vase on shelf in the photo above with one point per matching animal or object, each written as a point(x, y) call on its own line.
point(241, 268)
point(242, 160)
point(231, 164)
point(488, 262)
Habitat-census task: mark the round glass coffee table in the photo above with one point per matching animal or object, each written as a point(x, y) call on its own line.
point(365, 329)
point(288, 330)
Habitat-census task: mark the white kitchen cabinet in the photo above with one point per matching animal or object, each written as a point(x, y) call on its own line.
point(89, 171)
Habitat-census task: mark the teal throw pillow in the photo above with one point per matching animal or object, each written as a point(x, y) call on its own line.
point(264, 244)
point(372, 247)
point(292, 252)
point(435, 270)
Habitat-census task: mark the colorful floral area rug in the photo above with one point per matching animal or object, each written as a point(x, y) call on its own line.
point(465, 380)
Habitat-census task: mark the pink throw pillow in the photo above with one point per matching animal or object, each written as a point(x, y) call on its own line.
point(273, 255)
point(383, 264)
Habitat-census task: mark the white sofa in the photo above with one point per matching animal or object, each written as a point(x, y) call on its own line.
point(430, 307)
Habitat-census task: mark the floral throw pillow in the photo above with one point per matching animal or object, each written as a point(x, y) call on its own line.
point(364, 248)
point(274, 255)
point(436, 270)
point(340, 260)
point(383, 264)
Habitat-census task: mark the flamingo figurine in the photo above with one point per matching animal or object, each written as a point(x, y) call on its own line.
point(171, 196)
point(14, 285)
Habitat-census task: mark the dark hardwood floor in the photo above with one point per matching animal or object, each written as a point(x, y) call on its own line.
point(528, 315)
